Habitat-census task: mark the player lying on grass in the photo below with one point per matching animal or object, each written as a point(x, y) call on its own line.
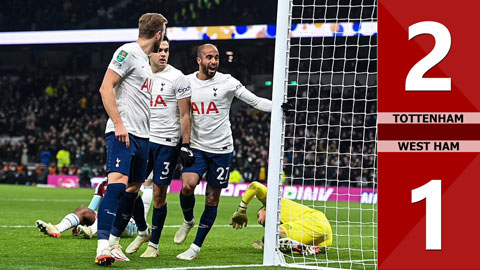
point(84, 219)
point(303, 230)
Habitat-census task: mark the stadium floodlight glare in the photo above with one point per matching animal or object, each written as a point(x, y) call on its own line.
point(326, 146)
point(192, 33)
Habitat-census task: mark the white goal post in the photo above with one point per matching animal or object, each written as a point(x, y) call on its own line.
point(323, 155)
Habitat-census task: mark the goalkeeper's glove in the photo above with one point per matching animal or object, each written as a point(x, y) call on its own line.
point(239, 218)
point(186, 156)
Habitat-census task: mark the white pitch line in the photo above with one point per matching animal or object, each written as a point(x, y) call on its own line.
point(176, 226)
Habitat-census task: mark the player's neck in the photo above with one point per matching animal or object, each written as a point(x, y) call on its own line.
point(156, 69)
point(202, 76)
point(146, 45)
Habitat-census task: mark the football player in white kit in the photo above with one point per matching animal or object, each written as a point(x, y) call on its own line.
point(126, 94)
point(170, 120)
point(211, 142)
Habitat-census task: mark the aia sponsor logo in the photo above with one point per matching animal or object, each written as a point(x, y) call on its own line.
point(203, 108)
point(155, 102)
point(147, 85)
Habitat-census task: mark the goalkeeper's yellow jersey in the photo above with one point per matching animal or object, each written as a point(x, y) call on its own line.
point(299, 222)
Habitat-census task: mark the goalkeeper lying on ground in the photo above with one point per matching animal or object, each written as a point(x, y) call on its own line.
point(303, 229)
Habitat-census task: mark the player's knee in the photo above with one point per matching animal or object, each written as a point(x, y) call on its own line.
point(133, 187)
point(211, 201)
point(187, 189)
point(159, 203)
point(79, 210)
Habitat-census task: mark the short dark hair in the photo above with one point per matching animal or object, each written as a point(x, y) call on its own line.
point(165, 38)
point(150, 23)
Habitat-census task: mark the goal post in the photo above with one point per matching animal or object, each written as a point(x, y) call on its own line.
point(326, 149)
point(280, 79)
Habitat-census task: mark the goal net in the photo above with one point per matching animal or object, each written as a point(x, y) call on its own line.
point(323, 153)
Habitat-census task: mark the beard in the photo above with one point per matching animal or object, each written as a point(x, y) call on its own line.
point(207, 72)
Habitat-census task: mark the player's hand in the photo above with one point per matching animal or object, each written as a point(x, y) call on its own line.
point(187, 158)
point(121, 134)
point(288, 107)
point(239, 219)
point(257, 244)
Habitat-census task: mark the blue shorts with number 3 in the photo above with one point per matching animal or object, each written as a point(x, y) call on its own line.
point(162, 159)
point(217, 167)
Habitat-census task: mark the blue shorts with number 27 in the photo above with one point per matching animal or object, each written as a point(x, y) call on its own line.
point(217, 167)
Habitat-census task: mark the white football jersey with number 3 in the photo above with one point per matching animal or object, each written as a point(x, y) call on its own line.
point(169, 86)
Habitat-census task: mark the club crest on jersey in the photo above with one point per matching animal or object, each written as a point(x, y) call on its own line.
point(163, 84)
point(215, 91)
point(121, 56)
point(200, 108)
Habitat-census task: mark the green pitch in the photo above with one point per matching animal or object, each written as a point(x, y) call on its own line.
point(22, 246)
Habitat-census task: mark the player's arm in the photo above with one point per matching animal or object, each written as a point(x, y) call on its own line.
point(110, 80)
point(98, 195)
point(185, 120)
point(253, 100)
point(186, 155)
point(255, 189)
point(95, 202)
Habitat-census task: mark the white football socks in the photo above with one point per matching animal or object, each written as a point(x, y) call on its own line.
point(69, 221)
point(147, 197)
point(101, 245)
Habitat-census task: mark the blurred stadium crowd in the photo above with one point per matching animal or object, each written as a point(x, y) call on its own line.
point(69, 14)
point(52, 119)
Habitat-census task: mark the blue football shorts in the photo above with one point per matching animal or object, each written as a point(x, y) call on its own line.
point(217, 167)
point(162, 159)
point(131, 161)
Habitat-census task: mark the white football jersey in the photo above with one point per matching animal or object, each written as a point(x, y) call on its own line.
point(169, 86)
point(133, 92)
point(211, 100)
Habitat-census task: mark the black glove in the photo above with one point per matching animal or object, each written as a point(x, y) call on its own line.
point(288, 107)
point(186, 156)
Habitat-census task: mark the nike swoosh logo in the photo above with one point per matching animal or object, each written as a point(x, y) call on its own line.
point(163, 177)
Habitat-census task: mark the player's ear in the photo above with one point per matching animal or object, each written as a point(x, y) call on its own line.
point(199, 60)
point(159, 35)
